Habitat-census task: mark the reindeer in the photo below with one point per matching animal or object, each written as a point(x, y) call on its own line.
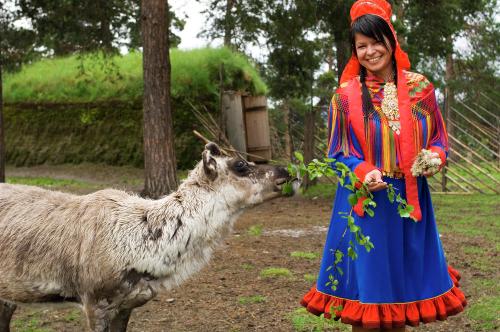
point(111, 251)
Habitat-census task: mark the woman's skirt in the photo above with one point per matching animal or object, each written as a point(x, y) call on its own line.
point(403, 280)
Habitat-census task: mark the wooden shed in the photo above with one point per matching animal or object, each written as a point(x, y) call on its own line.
point(247, 125)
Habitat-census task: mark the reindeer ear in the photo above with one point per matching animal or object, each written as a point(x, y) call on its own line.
point(209, 164)
point(213, 148)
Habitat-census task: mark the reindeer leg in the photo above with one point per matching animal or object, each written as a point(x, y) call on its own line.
point(6, 311)
point(98, 315)
point(120, 322)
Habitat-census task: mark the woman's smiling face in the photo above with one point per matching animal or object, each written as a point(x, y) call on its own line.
point(373, 55)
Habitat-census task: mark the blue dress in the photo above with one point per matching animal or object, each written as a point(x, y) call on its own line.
point(405, 279)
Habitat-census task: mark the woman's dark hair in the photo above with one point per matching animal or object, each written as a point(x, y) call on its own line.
point(377, 28)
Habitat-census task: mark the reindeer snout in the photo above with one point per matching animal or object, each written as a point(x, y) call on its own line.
point(281, 177)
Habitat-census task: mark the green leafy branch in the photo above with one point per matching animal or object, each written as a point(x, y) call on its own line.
point(329, 167)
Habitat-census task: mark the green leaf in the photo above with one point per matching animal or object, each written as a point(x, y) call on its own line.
point(370, 212)
point(350, 220)
point(353, 199)
point(352, 253)
point(287, 189)
point(354, 228)
point(338, 256)
point(339, 269)
point(299, 156)
point(390, 195)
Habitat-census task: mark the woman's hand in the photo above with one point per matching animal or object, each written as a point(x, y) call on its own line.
point(374, 181)
point(430, 171)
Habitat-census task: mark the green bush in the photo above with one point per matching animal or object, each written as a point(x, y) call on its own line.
point(89, 109)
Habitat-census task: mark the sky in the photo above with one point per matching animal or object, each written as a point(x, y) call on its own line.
point(194, 23)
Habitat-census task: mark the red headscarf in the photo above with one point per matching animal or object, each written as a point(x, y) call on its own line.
point(383, 9)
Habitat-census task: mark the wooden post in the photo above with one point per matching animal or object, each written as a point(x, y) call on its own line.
point(232, 107)
point(447, 109)
point(288, 138)
point(222, 113)
point(2, 138)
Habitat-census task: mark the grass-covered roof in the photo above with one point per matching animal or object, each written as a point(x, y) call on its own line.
point(94, 78)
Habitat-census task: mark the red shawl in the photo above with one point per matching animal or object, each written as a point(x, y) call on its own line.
point(383, 9)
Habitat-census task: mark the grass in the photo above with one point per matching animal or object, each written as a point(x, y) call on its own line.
point(473, 250)
point(488, 286)
point(251, 299)
point(302, 321)
point(276, 272)
point(304, 255)
point(310, 277)
point(255, 230)
point(473, 216)
point(51, 183)
point(31, 323)
point(485, 313)
point(94, 78)
point(247, 266)
point(73, 315)
point(321, 190)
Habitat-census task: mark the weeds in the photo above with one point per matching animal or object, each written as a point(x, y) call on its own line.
point(255, 230)
point(276, 272)
point(305, 255)
point(251, 299)
point(302, 321)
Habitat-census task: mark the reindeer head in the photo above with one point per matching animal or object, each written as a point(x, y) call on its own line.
point(241, 182)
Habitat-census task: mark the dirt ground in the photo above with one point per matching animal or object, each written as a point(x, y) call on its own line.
point(230, 294)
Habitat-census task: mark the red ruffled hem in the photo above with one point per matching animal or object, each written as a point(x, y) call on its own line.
point(371, 316)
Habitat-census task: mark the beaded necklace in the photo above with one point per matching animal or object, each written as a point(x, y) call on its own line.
point(390, 105)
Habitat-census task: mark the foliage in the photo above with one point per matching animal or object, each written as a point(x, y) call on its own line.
point(16, 43)
point(237, 22)
point(69, 27)
point(360, 194)
point(293, 58)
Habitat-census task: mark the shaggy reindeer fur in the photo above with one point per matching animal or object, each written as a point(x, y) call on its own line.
point(111, 251)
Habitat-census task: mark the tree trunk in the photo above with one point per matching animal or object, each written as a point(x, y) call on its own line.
point(2, 139)
point(342, 37)
point(309, 141)
point(288, 138)
point(159, 153)
point(106, 36)
point(343, 46)
point(228, 24)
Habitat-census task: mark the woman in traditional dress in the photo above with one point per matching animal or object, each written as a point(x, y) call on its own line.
point(381, 117)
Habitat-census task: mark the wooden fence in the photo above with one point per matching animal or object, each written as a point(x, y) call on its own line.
point(474, 157)
point(474, 136)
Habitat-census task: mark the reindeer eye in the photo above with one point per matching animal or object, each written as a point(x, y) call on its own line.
point(241, 166)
